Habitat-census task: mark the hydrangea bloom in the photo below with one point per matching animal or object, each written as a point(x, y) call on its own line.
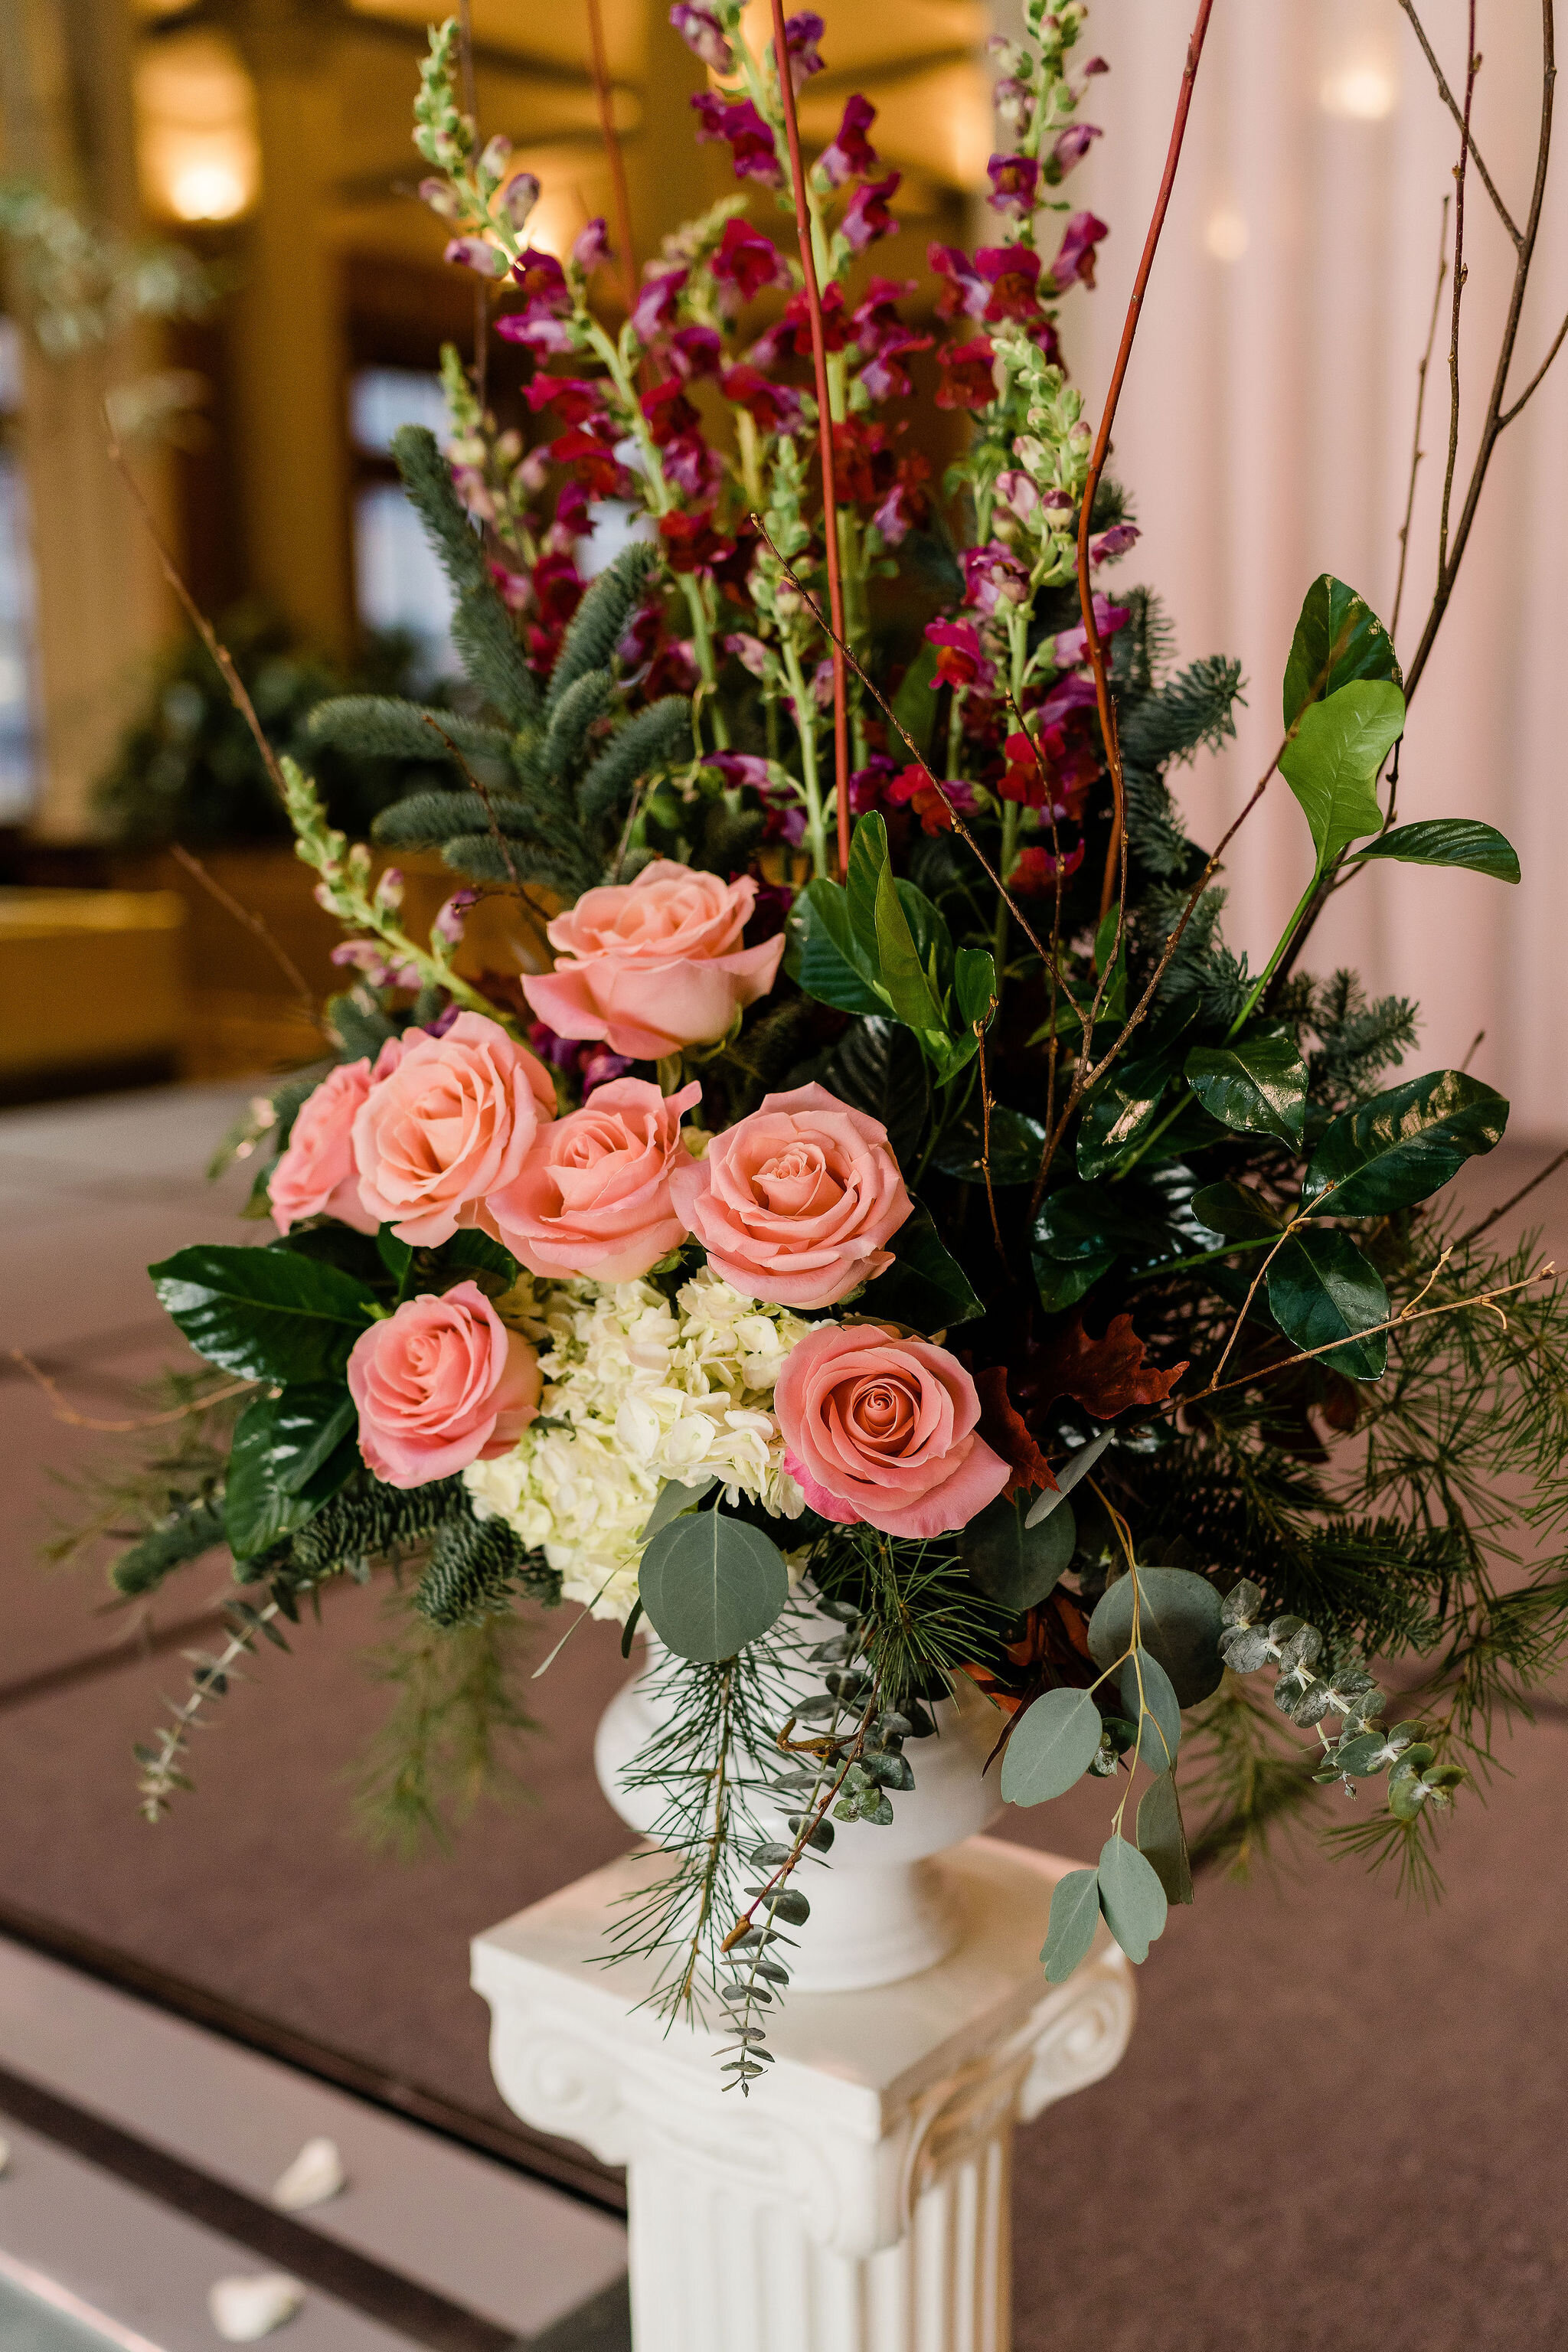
point(648, 1391)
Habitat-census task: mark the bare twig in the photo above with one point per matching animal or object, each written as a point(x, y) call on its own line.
point(1462, 120)
point(199, 619)
point(985, 1142)
point(1116, 848)
point(74, 1420)
point(1472, 65)
point(1417, 452)
point(471, 109)
point(1247, 1306)
point(1512, 1201)
point(607, 132)
point(503, 846)
point(823, 429)
point(252, 922)
point(1557, 345)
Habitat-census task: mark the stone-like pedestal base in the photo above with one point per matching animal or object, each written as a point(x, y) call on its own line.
point(858, 2201)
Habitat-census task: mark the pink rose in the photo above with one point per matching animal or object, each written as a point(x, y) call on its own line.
point(654, 964)
point(316, 1177)
point(447, 1121)
point(882, 1429)
point(440, 1384)
point(593, 1195)
point(794, 1204)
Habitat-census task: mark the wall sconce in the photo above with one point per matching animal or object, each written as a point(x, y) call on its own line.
point(197, 147)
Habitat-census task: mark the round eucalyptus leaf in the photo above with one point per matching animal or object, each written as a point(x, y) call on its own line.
point(1179, 1625)
point(1013, 1563)
point(1075, 1916)
point(711, 1584)
point(1244, 1648)
point(1051, 1748)
point(1162, 1838)
point(1143, 1677)
point(1131, 1897)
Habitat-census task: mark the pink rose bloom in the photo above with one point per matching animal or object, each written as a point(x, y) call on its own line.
point(316, 1176)
point(795, 1203)
point(447, 1121)
point(594, 1195)
point(654, 964)
point(882, 1429)
point(440, 1384)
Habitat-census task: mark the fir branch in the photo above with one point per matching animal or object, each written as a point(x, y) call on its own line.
point(452, 1735)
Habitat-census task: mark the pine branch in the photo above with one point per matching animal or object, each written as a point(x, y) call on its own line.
point(598, 625)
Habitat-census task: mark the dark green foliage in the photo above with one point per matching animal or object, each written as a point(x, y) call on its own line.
point(571, 715)
point(477, 1568)
point(1357, 1041)
point(187, 770)
point(598, 625)
point(375, 727)
point(369, 1525)
point(425, 820)
point(481, 626)
point(651, 738)
point(191, 1529)
point(1193, 711)
point(452, 1735)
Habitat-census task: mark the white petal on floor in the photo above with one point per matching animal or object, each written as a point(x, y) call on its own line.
point(316, 2174)
point(5, 2155)
point(245, 2309)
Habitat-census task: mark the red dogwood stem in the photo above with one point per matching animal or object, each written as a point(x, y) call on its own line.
point(1102, 444)
point(823, 436)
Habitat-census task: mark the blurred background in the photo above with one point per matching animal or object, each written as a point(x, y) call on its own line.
point(209, 237)
point(208, 222)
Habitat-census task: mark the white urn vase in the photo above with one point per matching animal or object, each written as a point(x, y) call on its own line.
point(881, 1908)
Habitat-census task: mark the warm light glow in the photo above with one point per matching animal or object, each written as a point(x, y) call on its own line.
point(198, 151)
point(1225, 233)
point(1365, 91)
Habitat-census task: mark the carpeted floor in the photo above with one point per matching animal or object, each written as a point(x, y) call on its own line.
point(1340, 2120)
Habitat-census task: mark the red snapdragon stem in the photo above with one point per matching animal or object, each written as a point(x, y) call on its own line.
point(1102, 444)
point(824, 435)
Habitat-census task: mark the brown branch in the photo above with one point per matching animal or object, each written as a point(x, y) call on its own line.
point(1116, 848)
point(1492, 424)
point(785, 80)
point(1472, 66)
point(985, 1139)
point(471, 109)
point(1537, 379)
point(199, 619)
point(1512, 1200)
point(608, 133)
point(1461, 120)
point(253, 924)
point(503, 846)
point(74, 1420)
point(1417, 452)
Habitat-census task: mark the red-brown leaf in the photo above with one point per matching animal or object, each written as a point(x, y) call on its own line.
point(1004, 1431)
point(1105, 1376)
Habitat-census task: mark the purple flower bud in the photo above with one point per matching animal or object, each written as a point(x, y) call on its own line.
point(801, 34)
point(441, 198)
point(750, 652)
point(443, 1022)
point(497, 154)
point(704, 37)
point(389, 890)
point(474, 253)
point(450, 918)
point(591, 247)
point(519, 197)
point(1112, 542)
point(1074, 144)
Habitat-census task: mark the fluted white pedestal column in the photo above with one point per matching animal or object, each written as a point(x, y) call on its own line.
point(858, 2201)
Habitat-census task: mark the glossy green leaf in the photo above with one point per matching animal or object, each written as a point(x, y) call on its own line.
point(710, 1584)
point(1234, 1210)
point(1338, 638)
point(867, 864)
point(1017, 1143)
point(1178, 1623)
point(1332, 764)
point(915, 703)
point(310, 1423)
point(267, 1494)
point(1162, 1838)
point(1061, 1286)
point(1013, 1563)
point(1403, 1146)
point(472, 1254)
point(1052, 1745)
point(925, 1285)
point(1148, 1696)
point(1259, 1086)
point(1122, 1108)
point(397, 1256)
point(973, 987)
point(1074, 1921)
point(1081, 1220)
point(1320, 1288)
point(266, 1314)
point(1130, 1897)
point(1448, 840)
point(824, 956)
point(877, 1066)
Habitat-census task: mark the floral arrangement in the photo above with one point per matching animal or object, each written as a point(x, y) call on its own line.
point(898, 1238)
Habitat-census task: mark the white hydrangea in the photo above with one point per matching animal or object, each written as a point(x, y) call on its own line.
point(636, 1390)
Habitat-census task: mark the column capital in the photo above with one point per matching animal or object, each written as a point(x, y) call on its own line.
point(873, 2097)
